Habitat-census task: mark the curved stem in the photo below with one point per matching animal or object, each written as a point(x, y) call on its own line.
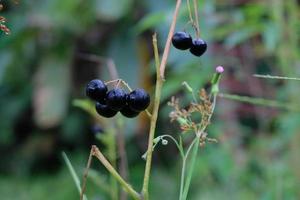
point(176, 143)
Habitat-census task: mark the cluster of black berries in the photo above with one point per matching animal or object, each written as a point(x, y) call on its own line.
point(109, 103)
point(183, 41)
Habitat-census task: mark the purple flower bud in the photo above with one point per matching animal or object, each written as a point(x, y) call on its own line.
point(219, 69)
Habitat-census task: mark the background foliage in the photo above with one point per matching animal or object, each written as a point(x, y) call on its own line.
point(43, 67)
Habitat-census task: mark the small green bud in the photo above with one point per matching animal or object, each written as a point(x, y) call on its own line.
point(156, 140)
point(182, 121)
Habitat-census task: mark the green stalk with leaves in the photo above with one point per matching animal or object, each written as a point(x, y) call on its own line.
point(205, 107)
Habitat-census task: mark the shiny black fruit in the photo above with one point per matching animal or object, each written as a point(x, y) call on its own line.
point(96, 90)
point(138, 100)
point(116, 99)
point(198, 47)
point(182, 40)
point(128, 112)
point(104, 110)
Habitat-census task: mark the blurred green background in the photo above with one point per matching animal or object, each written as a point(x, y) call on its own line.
point(45, 64)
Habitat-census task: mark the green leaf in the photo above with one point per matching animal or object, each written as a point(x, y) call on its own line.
point(73, 173)
point(191, 169)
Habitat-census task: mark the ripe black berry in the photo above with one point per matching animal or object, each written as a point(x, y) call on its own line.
point(138, 100)
point(128, 112)
point(116, 99)
point(104, 110)
point(96, 90)
point(182, 40)
point(198, 47)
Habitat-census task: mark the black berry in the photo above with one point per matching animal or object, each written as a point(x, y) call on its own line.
point(182, 40)
point(104, 110)
point(138, 100)
point(96, 90)
point(128, 112)
point(116, 99)
point(198, 47)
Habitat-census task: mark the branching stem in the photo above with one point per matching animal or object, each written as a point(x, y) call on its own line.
point(160, 75)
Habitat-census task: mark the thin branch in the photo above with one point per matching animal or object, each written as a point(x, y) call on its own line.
point(190, 11)
point(196, 17)
point(168, 43)
point(182, 179)
point(73, 173)
point(260, 101)
point(191, 168)
point(160, 75)
point(267, 76)
point(123, 166)
point(159, 83)
point(96, 152)
point(85, 175)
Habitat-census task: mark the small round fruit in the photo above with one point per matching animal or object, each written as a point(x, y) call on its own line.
point(182, 40)
point(198, 47)
point(105, 111)
point(116, 99)
point(138, 100)
point(96, 90)
point(128, 112)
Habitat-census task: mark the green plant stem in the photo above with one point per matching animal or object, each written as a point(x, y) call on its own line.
point(183, 169)
point(74, 175)
point(187, 183)
point(260, 101)
point(276, 77)
point(96, 152)
point(112, 153)
point(85, 175)
point(123, 163)
point(159, 84)
point(176, 143)
point(160, 75)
